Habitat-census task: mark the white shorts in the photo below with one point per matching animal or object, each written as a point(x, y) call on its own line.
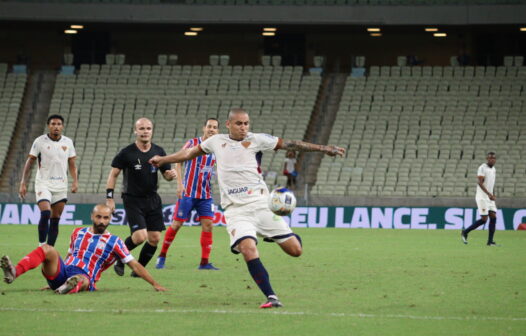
point(43, 193)
point(485, 205)
point(252, 220)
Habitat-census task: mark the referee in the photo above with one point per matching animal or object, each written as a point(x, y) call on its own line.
point(139, 192)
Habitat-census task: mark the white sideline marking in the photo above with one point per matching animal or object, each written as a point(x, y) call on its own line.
point(275, 312)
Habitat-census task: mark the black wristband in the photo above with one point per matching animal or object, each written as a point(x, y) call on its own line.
point(109, 193)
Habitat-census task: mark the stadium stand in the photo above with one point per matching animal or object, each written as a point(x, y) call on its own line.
point(423, 131)
point(12, 88)
point(101, 103)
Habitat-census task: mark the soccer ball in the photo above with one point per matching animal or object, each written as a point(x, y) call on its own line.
point(282, 201)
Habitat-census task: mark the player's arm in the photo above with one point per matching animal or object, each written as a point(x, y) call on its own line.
point(74, 174)
point(143, 273)
point(302, 146)
point(181, 156)
point(483, 187)
point(180, 186)
point(26, 173)
point(110, 187)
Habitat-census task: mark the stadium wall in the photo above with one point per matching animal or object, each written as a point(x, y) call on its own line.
point(178, 13)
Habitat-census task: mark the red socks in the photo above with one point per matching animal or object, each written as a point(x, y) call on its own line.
point(168, 239)
point(206, 246)
point(30, 261)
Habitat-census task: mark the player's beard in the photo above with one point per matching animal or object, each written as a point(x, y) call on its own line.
point(99, 228)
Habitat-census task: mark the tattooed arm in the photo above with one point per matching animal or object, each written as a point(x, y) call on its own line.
point(302, 146)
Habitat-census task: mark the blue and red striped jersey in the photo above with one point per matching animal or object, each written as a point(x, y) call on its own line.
point(198, 173)
point(94, 253)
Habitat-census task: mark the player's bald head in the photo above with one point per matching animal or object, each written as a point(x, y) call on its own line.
point(236, 111)
point(143, 121)
point(100, 208)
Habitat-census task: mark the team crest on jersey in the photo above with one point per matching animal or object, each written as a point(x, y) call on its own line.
point(39, 193)
point(101, 245)
point(64, 148)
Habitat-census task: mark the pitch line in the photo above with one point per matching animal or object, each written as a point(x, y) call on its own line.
point(274, 312)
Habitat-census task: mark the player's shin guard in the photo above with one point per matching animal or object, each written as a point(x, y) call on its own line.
point(260, 276)
point(43, 225)
point(206, 247)
point(491, 230)
point(53, 231)
point(147, 253)
point(474, 226)
point(30, 261)
point(169, 237)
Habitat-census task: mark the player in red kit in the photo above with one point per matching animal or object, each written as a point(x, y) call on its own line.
point(194, 193)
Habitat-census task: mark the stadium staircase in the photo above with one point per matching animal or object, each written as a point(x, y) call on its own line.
point(322, 121)
point(32, 117)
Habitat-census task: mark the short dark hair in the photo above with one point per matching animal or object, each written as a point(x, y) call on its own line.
point(491, 154)
point(55, 116)
point(211, 118)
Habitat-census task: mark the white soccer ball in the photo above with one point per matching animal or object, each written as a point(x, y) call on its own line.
point(282, 201)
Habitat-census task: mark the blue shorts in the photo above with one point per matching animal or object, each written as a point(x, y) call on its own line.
point(184, 206)
point(64, 272)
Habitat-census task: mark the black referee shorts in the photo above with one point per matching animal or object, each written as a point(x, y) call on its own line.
point(144, 212)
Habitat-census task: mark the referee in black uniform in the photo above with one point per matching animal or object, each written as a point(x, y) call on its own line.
point(139, 193)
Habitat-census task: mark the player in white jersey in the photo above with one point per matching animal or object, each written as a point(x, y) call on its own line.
point(244, 194)
point(56, 155)
point(485, 198)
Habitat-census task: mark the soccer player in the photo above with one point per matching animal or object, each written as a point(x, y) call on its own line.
point(56, 154)
point(139, 192)
point(485, 199)
point(195, 193)
point(244, 194)
point(91, 251)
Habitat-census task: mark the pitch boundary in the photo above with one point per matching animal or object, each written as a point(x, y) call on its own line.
point(274, 312)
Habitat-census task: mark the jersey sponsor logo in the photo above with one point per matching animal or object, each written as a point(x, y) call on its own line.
point(237, 190)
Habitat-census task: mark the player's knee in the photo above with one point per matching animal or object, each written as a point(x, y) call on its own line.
point(248, 249)
point(139, 237)
point(46, 248)
point(154, 237)
point(176, 225)
point(296, 251)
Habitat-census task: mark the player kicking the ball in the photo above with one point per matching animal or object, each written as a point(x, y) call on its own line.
point(91, 251)
point(244, 194)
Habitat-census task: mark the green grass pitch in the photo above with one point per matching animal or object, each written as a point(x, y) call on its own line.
point(348, 282)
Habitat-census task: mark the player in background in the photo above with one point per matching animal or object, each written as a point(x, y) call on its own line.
point(91, 251)
point(55, 154)
point(485, 199)
point(244, 194)
point(194, 193)
point(143, 205)
point(290, 169)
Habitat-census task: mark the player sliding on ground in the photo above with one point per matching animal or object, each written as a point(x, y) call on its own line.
point(92, 250)
point(244, 194)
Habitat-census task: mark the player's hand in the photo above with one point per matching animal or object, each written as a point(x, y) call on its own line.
point(159, 288)
point(110, 202)
point(22, 191)
point(492, 197)
point(170, 174)
point(74, 187)
point(156, 161)
point(333, 150)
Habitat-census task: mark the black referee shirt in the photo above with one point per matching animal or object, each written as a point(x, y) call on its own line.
point(140, 177)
